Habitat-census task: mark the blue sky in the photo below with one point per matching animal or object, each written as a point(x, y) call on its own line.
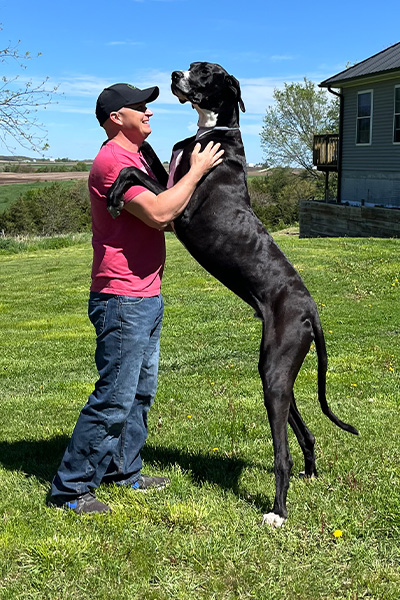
point(88, 45)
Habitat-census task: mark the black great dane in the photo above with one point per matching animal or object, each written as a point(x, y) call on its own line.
point(219, 228)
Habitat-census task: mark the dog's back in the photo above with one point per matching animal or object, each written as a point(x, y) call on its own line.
point(221, 231)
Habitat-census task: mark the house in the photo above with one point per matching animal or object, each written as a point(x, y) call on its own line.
point(366, 153)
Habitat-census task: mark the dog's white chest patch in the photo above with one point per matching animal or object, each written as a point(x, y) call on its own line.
point(207, 118)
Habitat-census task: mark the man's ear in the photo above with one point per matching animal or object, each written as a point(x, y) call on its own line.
point(115, 117)
point(234, 86)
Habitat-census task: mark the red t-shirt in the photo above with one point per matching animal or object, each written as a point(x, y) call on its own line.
point(128, 256)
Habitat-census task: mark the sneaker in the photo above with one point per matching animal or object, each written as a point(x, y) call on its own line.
point(84, 504)
point(146, 482)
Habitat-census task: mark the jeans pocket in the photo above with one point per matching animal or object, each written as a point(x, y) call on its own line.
point(132, 300)
point(97, 312)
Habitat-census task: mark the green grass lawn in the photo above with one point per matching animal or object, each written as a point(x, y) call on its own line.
point(208, 431)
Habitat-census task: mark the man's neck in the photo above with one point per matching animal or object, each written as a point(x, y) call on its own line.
point(126, 143)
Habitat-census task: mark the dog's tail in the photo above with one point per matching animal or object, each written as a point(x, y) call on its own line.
point(322, 368)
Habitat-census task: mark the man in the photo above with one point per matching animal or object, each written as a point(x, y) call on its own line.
point(125, 306)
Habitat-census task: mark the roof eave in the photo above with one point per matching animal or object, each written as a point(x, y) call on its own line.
point(370, 77)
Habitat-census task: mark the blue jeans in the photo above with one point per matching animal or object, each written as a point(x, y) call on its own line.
point(112, 427)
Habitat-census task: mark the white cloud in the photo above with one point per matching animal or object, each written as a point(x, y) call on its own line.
point(89, 86)
point(279, 57)
point(142, 1)
point(59, 107)
point(69, 85)
point(124, 43)
point(82, 85)
point(251, 129)
point(258, 93)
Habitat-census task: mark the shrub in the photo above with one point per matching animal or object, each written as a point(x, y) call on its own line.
point(275, 197)
point(18, 168)
point(53, 169)
point(48, 211)
point(80, 166)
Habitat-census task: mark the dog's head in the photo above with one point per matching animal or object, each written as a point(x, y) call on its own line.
point(207, 86)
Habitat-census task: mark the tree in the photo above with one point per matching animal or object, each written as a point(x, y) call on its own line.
point(19, 102)
point(300, 111)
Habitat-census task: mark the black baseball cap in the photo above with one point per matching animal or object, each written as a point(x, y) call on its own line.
point(121, 94)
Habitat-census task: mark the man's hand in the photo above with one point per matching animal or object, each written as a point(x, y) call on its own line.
point(201, 162)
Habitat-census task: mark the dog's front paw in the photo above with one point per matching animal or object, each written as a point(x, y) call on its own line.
point(273, 520)
point(115, 209)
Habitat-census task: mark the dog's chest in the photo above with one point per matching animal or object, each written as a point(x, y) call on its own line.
point(177, 156)
point(175, 160)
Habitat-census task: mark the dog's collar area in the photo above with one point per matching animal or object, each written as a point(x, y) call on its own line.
point(203, 130)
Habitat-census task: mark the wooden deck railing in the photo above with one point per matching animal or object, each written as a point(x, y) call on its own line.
point(325, 151)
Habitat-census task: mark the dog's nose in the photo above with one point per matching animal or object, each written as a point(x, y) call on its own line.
point(176, 76)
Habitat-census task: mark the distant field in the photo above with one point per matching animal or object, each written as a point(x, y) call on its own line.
point(11, 192)
point(256, 173)
point(10, 178)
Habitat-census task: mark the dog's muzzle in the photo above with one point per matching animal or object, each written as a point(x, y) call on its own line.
point(180, 85)
point(177, 76)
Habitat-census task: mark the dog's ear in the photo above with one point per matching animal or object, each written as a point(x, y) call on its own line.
point(234, 86)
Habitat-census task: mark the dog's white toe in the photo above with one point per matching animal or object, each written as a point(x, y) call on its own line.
point(273, 520)
point(302, 475)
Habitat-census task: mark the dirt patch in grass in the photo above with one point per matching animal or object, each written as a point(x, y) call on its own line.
point(7, 178)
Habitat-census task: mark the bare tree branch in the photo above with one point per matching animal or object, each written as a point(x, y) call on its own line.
point(20, 101)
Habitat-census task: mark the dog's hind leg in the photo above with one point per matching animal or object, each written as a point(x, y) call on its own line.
point(305, 438)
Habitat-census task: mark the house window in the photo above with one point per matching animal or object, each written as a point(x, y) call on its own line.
point(364, 117)
point(396, 124)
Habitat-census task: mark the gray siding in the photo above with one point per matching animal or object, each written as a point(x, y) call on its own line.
point(371, 173)
point(382, 154)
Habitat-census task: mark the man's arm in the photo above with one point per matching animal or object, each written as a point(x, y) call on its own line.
point(159, 210)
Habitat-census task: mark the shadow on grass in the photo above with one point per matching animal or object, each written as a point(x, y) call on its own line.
point(38, 458)
point(41, 458)
point(223, 471)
